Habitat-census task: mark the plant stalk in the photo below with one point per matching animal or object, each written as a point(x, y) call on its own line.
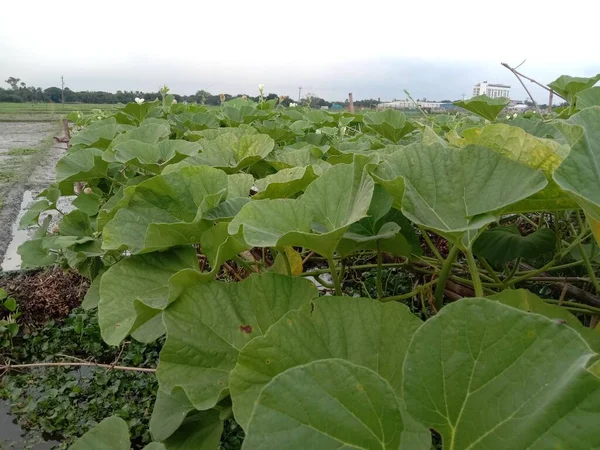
point(443, 276)
point(379, 263)
point(334, 275)
point(477, 286)
point(588, 267)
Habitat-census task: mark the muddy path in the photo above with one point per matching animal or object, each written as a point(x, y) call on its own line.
point(28, 156)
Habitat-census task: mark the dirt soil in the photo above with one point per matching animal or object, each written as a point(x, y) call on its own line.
point(43, 295)
point(26, 172)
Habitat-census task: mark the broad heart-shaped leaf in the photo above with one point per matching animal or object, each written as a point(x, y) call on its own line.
point(568, 86)
point(170, 410)
point(527, 301)
point(150, 131)
point(455, 192)
point(210, 322)
point(301, 154)
point(232, 153)
point(82, 164)
point(287, 182)
point(363, 331)
point(389, 123)
point(514, 143)
point(588, 98)
point(579, 173)
point(97, 133)
point(110, 434)
point(166, 210)
point(488, 376)
point(484, 106)
point(502, 244)
point(143, 278)
point(200, 431)
point(153, 157)
point(330, 204)
point(326, 405)
point(384, 229)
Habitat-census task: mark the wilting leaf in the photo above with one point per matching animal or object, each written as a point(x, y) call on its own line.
point(486, 375)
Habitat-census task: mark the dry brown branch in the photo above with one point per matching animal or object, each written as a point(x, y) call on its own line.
point(7, 367)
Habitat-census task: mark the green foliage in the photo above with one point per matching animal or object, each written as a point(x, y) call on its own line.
point(213, 226)
point(484, 106)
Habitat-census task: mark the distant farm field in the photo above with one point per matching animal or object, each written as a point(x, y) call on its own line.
point(44, 112)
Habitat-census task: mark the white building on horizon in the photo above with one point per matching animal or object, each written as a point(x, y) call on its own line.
point(491, 90)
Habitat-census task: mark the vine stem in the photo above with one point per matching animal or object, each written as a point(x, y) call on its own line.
point(67, 364)
point(379, 263)
point(477, 286)
point(334, 275)
point(446, 269)
point(589, 268)
point(409, 294)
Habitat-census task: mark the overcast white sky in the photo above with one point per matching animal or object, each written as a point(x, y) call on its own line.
point(436, 49)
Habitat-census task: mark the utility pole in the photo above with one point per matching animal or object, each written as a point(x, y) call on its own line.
point(299, 93)
point(350, 103)
point(550, 99)
point(62, 92)
point(464, 96)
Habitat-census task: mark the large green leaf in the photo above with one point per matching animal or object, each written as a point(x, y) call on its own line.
point(326, 405)
point(384, 229)
point(363, 331)
point(579, 173)
point(210, 322)
point(484, 106)
point(170, 410)
point(488, 376)
point(502, 244)
point(568, 86)
point(110, 434)
point(588, 98)
point(514, 143)
point(455, 192)
point(141, 278)
point(102, 131)
point(302, 154)
point(232, 153)
point(389, 123)
point(330, 204)
point(154, 157)
point(81, 164)
point(287, 182)
point(200, 431)
point(166, 210)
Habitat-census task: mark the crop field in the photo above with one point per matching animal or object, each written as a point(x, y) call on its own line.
point(44, 112)
point(293, 278)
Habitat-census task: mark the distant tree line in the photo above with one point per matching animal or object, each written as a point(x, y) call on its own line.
point(19, 92)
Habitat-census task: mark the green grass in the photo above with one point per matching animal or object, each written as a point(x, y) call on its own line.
point(44, 112)
point(22, 151)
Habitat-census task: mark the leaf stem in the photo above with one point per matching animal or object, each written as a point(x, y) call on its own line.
point(443, 276)
point(490, 270)
point(477, 286)
point(334, 275)
point(588, 267)
point(431, 245)
point(379, 263)
point(409, 294)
